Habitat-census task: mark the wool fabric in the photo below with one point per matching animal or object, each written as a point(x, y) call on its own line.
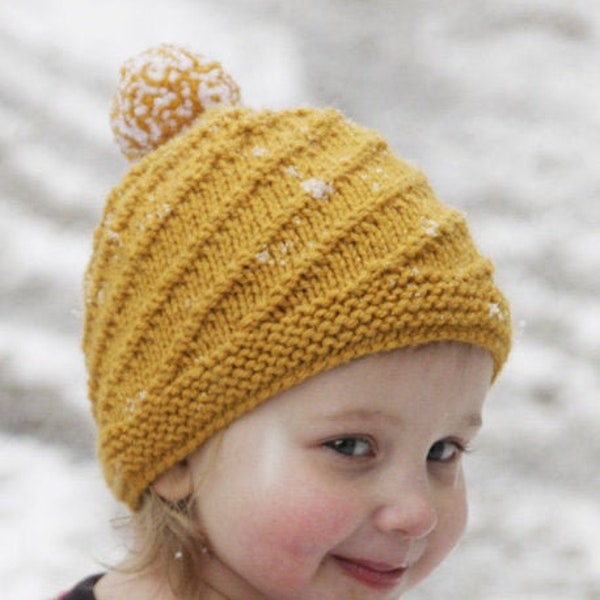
point(251, 251)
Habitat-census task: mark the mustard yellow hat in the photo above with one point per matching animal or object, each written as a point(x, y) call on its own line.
point(247, 250)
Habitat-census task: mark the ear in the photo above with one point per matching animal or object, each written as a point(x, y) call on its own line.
point(175, 483)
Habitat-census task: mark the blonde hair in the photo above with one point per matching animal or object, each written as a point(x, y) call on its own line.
point(168, 538)
point(168, 535)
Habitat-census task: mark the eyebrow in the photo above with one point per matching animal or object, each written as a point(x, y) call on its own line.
point(361, 414)
point(470, 421)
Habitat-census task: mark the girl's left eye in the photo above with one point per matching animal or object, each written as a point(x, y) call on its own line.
point(353, 446)
point(445, 451)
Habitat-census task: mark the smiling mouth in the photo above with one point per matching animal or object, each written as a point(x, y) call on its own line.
point(373, 574)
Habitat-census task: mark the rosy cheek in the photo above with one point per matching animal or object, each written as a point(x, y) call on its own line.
point(282, 545)
point(307, 525)
point(298, 509)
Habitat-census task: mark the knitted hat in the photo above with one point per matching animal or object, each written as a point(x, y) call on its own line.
point(248, 250)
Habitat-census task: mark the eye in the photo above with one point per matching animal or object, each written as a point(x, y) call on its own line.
point(353, 446)
point(445, 451)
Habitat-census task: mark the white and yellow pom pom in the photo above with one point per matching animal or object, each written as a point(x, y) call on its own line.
point(161, 93)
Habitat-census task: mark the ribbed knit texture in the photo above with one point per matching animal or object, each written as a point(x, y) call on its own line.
point(255, 250)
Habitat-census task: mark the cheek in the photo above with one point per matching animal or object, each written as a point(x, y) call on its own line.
point(452, 521)
point(304, 523)
point(274, 526)
point(453, 526)
point(456, 514)
point(290, 505)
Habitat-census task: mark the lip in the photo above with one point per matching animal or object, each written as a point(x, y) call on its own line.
point(371, 573)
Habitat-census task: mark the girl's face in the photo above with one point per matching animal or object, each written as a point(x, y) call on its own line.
point(349, 485)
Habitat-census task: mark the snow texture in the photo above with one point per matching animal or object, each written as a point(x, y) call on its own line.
point(316, 188)
point(497, 101)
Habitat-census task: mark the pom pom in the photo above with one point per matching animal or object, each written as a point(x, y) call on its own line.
point(161, 93)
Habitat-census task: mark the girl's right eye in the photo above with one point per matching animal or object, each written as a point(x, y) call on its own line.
point(353, 446)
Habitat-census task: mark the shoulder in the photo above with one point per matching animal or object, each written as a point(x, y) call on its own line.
point(84, 590)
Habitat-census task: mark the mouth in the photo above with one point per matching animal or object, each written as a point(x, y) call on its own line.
point(373, 574)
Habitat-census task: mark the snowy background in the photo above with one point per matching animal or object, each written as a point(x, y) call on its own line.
point(497, 100)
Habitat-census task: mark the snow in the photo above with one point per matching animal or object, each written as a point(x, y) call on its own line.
point(497, 101)
point(292, 171)
point(258, 151)
point(316, 188)
point(263, 256)
point(429, 226)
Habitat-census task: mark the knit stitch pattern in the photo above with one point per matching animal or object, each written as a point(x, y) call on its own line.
point(257, 249)
point(161, 92)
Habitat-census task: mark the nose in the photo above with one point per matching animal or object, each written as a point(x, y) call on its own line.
point(410, 511)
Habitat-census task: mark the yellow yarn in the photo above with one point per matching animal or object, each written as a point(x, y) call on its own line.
point(161, 92)
point(251, 252)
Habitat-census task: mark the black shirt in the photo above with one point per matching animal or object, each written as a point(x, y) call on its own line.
point(83, 590)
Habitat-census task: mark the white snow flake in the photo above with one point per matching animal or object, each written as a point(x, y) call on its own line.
point(318, 189)
point(496, 311)
point(429, 226)
point(113, 236)
point(292, 171)
point(263, 256)
point(286, 246)
point(132, 403)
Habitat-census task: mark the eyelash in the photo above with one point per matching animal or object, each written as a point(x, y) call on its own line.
point(337, 445)
point(459, 447)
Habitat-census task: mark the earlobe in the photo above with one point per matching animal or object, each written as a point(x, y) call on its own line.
point(175, 483)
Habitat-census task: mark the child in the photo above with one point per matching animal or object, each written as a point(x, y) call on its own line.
point(289, 340)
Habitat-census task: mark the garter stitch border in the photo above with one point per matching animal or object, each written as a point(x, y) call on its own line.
point(253, 251)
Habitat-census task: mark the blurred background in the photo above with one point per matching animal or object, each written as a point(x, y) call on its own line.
point(498, 101)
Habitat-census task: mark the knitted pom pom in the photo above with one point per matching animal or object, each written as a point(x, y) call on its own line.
point(161, 92)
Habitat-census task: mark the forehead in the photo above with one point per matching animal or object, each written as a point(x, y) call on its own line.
point(448, 376)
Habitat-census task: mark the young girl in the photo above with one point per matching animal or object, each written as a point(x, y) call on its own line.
point(289, 340)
